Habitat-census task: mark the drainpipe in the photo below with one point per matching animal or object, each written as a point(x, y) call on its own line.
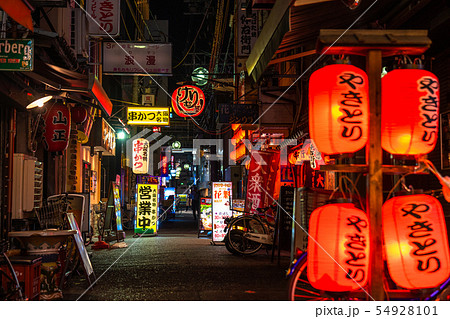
point(12, 136)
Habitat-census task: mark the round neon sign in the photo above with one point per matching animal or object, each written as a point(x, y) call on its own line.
point(188, 101)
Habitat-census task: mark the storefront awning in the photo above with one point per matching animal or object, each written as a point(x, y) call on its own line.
point(274, 33)
point(60, 79)
point(269, 39)
point(19, 11)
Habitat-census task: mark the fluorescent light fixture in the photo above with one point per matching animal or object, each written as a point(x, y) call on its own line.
point(121, 135)
point(39, 102)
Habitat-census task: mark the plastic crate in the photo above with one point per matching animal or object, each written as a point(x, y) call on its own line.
point(28, 272)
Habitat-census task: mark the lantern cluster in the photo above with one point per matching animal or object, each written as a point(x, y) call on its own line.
point(339, 109)
point(416, 241)
point(338, 248)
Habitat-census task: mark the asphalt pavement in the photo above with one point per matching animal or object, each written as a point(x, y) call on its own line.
point(177, 265)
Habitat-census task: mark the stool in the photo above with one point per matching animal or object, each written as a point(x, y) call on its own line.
point(28, 272)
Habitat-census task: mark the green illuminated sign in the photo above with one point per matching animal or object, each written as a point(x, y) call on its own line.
point(16, 55)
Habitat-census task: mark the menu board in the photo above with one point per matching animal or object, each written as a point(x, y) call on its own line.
point(116, 196)
point(285, 217)
point(221, 201)
point(205, 214)
point(146, 209)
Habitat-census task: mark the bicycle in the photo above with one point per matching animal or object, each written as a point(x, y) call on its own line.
point(13, 290)
point(247, 234)
point(300, 287)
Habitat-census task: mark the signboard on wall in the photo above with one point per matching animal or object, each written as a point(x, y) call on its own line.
point(247, 32)
point(104, 18)
point(155, 116)
point(137, 58)
point(238, 113)
point(16, 55)
point(221, 202)
point(146, 209)
point(103, 137)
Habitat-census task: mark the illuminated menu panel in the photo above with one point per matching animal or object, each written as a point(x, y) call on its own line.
point(221, 202)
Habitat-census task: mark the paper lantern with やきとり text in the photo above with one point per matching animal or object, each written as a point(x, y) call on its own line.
point(415, 237)
point(339, 109)
point(57, 128)
point(338, 248)
point(410, 111)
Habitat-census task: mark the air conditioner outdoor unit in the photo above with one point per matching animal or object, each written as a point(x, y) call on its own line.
point(27, 185)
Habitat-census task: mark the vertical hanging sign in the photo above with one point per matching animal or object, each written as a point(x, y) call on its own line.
point(146, 209)
point(104, 17)
point(140, 156)
point(221, 202)
point(247, 32)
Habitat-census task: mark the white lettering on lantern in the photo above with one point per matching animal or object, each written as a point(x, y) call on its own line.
point(350, 106)
point(429, 108)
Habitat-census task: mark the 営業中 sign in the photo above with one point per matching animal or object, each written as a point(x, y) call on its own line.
point(146, 209)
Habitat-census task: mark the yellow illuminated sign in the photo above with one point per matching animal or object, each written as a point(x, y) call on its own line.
point(156, 116)
point(146, 209)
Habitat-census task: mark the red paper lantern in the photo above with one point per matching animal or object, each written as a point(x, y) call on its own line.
point(338, 248)
point(415, 237)
point(188, 101)
point(79, 114)
point(339, 109)
point(410, 111)
point(57, 128)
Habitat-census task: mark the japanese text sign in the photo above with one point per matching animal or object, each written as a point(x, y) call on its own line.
point(140, 156)
point(148, 116)
point(146, 209)
point(247, 32)
point(188, 101)
point(137, 58)
point(262, 176)
point(104, 17)
point(221, 202)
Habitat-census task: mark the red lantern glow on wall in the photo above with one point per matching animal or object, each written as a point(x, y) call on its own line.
point(410, 111)
point(416, 241)
point(57, 128)
point(339, 109)
point(338, 248)
point(188, 101)
point(79, 114)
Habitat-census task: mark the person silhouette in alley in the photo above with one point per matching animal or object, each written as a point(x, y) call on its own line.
point(195, 201)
